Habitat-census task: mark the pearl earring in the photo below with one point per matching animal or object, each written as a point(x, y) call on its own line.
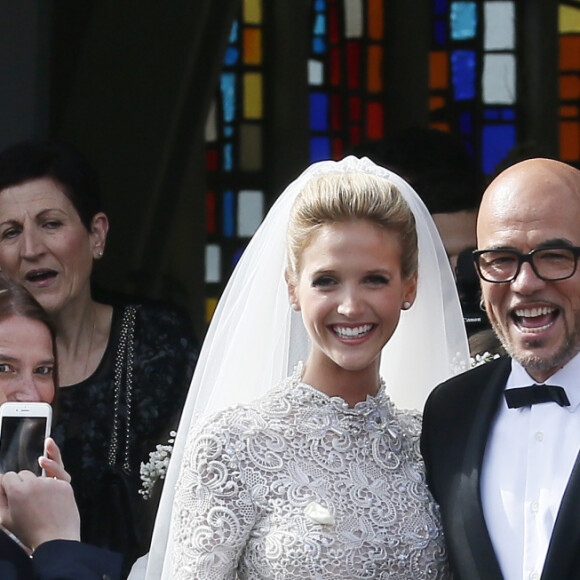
point(99, 254)
point(294, 306)
point(406, 305)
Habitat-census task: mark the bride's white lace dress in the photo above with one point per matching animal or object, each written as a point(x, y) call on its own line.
point(299, 485)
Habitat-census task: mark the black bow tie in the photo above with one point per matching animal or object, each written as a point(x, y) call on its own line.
point(527, 396)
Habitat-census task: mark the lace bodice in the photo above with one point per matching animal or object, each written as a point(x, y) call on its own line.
point(299, 485)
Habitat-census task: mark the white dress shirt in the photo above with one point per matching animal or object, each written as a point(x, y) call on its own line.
point(529, 456)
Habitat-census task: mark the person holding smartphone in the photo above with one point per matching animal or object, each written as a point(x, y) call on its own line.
point(40, 512)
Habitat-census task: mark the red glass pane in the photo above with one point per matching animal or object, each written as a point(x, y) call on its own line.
point(375, 121)
point(337, 149)
point(354, 109)
point(335, 66)
point(374, 67)
point(333, 25)
point(569, 52)
point(211, 160)
point(353, 51)
point(354, 135)
point(569, 111)
point(335, 116)
point(569, 141)
point(438, 70)
point(569, 87)
point(375, 19)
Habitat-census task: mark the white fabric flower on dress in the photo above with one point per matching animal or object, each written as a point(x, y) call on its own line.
point(318, 514)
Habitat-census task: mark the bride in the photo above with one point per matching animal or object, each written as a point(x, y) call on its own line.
point(320, 477)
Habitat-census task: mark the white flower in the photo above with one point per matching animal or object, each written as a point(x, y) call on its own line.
point(156, 468)
point(318, 514)
point(480, 359)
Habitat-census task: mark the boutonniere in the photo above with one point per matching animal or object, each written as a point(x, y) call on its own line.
point(156, 467)
point(318, 514)
point(482, 358)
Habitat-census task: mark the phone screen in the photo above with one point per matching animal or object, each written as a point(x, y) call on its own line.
point(22, 443)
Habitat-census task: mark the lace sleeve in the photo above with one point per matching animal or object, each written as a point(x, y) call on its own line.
point(213, 511)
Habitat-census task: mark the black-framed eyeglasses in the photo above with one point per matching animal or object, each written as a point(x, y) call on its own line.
point(549, 264)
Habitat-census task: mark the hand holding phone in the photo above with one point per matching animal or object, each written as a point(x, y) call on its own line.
point(23, 428)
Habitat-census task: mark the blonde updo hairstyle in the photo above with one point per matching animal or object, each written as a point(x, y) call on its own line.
point(342, 197)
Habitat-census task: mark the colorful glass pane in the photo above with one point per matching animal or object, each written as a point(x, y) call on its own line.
point(250, 212)
point(463, 20)
point(463, 73)
point(497, 142)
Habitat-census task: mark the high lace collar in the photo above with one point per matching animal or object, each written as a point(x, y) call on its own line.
point(370, 406)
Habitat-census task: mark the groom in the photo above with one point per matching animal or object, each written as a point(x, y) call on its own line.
point(501, 447)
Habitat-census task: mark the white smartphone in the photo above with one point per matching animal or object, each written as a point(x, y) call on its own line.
point(23, 429)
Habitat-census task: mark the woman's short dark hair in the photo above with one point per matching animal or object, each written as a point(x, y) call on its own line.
point(60, 162)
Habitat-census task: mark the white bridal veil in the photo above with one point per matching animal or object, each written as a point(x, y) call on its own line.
point(254, 339)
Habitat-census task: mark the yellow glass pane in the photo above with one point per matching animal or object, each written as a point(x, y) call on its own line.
point(375, 19)
point(570, 53)
point(569, 141)
point(252, 46)
point(568, 111)
point(436, 103)
point(253, 11)
point(210, 305)
point(375, 81)
point(438, 70)
point(253, 96)
point(569, 87)
point(568, 19)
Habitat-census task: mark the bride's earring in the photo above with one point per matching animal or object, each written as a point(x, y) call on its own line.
point(406, 305)
point(294, 306)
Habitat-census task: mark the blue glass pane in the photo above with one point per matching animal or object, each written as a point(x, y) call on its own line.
point(229, 214)
point(497, 141)
point(319, 149)
point(318, 45)
point(318, 112)
point(490, 114)
point(466, 123)
point(320, 5)
point(509, 114)
point(440, 32)
point(228, 130)
point(440, 6)
point(463, 20)
point(234, 32)
point(232, 55)
point(320, 24)
point(228, 88)
point(463, 73)
point(237, 255)
point(228, 157)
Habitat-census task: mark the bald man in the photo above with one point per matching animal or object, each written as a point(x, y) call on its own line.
point(501, 441)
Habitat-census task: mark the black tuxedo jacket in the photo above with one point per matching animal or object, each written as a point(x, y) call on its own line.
point(57, 560)
point(456, 423)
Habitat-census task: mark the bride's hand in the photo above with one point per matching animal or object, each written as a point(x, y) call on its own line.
point(52, 464)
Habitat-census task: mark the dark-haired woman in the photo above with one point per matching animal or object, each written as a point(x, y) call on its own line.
point(123, 370)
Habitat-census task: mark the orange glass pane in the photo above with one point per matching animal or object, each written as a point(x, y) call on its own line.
point(569, 87)
point(441, 126)
point(569, 52)
point(436, 103)
point(375, 19)
point(438, 70)
point(569, 111)
point(252, 46)
point(569, 141)
point(253, 11)
point(375, 60)
point(374, 121)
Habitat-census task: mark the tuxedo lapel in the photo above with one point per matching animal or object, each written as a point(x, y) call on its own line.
point(562, 559)
point(478, 557)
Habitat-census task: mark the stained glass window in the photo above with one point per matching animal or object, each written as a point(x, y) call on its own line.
point(472, 76)
point(345, 75)
point(233, 136)
point(569, 81)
